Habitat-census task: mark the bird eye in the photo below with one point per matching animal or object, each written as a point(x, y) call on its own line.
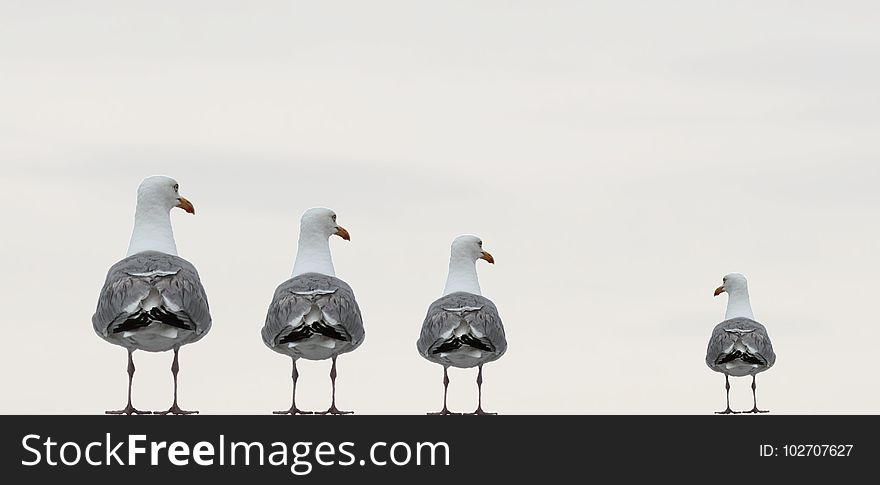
point(333, 217)
point(480, 243)
point(176, 187)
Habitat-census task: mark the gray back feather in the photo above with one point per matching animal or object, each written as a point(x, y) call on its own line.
point(125, 287)
point(756, 338)
point(288, 306)
point(439, 322)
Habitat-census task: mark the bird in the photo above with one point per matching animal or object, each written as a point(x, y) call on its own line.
point(314, 315)
point(739, 345)
point(462, 328)
point(153, 300)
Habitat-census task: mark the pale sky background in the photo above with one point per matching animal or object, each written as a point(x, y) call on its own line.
point(617, 158)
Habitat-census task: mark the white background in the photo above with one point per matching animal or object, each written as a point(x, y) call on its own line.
point(617, 158)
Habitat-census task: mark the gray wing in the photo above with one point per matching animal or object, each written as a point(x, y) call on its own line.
point(295, 297)
point(752, 334)
point(442, 318)
point(131, 280)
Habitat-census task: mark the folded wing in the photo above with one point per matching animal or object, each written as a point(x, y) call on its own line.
point(740, 343)
point(463, 330)
point(154, 301)
point(313, 316)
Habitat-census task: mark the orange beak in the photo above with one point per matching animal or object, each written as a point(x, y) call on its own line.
point(343, 233)
point(719, 290)
point(488, 257)
point(185, 205)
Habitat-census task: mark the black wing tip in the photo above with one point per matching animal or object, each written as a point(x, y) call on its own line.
point(296, 335)
point(447, 346)
point(478, 343)
point(144, 319)
point(456, 343)
point(322, 328)
point(746, 357)
point(304, 332)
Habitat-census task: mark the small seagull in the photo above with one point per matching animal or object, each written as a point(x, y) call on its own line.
point(153, 299)
point(314, 315)
point(462, 329)
point(739, 345)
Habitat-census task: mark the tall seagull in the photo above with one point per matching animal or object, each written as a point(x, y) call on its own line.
point(153, 300)
point(462, 328)
point(739, 345)
point(314, 315)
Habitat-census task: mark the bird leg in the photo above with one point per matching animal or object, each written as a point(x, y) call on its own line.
point(175, 409)
point(333, 409)
point(293, 409)
point(727, 386)
point(479, 411)
point(755, 400)
point(129, 409)
point(445, 411)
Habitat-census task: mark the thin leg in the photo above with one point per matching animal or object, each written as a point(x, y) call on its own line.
point(293, 409)
point(479, 411)
point(445, 411)
point(333, 409)
point(129, 409)
point(175, 409)
point(755, 399)
point(727, 387)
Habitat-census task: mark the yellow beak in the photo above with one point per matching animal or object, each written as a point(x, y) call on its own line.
point(343, 233)
point(185, 205)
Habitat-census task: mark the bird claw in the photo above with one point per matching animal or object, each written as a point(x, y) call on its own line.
point(728, 411)
point(293, 411)
point(480, 412)
point(128, 410)
point(175, 410)
point(333, 410)
point(756, 411)
point(444, 412)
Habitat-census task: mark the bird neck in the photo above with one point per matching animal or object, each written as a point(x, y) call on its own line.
point(152, 230)
point(738, 305)
point(313, 255)
point(462, 276)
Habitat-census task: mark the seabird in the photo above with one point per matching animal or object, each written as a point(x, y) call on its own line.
point(314, 315)
point(153, 299)
point(462, 328)
point(739, 345)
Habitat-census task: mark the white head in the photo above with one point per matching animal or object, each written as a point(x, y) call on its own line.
point(156, 196)
point(465, 252)
point(313, 255)
point(160, 192)
point(733, 284)
point(321, 221)
point(469, 247)
point(737, 289)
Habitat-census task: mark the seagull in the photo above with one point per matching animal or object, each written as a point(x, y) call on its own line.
point(462, 329)
point(153, 300)
point(739, 345)
point(314, 315)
